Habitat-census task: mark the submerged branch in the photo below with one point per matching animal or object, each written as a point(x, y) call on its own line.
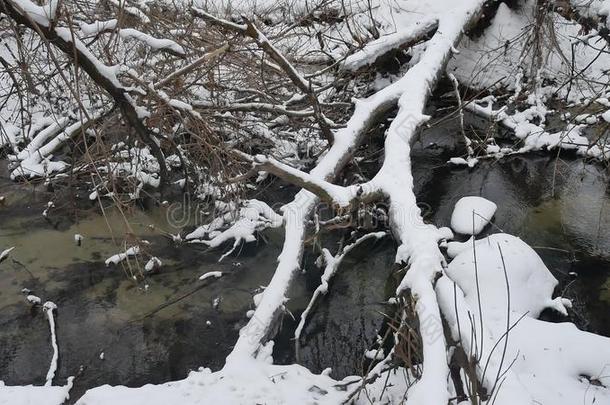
point(332, 264)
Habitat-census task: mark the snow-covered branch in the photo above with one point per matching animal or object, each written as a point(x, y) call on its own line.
point(35, 159)
point(379, 48)
point(24, 12)
point(535, 137)
point(48, 308)
point(343, 196)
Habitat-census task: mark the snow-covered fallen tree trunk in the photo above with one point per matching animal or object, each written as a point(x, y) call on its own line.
point(418, 241)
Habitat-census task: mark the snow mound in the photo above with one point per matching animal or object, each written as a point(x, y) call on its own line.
point(527, 365)
point(462, 220)
point(530, 281)
point(455, 248)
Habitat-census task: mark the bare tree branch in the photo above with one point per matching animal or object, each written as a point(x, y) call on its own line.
point(97, 71)
point(250, 30)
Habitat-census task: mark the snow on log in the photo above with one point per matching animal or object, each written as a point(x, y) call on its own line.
point(418, 240)
point(156, 44)
point(211, 274)
point(4, 254)
point(42, 15)
point(35, 159)
point(535, 137)
point(253, 217)
point(327, 191)
point(42, 137)
point(48, 308)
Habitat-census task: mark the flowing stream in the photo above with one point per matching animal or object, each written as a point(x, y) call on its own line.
point(158, 329)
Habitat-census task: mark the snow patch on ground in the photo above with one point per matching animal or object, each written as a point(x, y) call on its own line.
point(250, 381)
point(34, 395)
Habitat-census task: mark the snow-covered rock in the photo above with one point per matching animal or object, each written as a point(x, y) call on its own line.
point(536, 362)
point(33, 299)
point(471, 214)
point(531, 282)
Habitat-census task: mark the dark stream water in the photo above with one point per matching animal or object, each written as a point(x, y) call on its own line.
point(103, 310)
point(559, 206)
